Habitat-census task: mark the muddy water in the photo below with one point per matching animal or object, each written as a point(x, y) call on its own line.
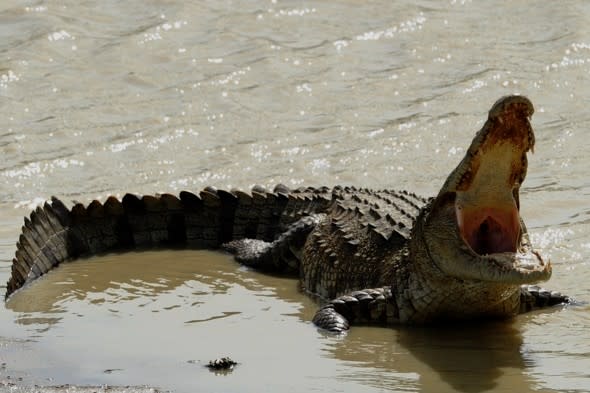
point(100, 98)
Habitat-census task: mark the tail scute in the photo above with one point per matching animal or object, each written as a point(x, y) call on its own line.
point(245, 221)
point(40, 242)
point(266, 207)
point(40, 247)
point(209, 217)
point(193, 206)
point(55, 231)
point(176, 227)
point(113, 207)
point(62, 213)
point(18, 276)
point(227, 213)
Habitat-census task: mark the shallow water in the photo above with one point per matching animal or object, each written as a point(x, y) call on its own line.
point(100, 98)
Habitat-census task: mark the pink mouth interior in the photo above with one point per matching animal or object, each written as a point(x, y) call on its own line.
point(489, 230)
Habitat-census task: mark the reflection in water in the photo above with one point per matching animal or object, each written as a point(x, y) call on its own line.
point(470, 358)
point(140, 279)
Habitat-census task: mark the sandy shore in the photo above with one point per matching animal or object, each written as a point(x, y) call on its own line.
point(16, 386)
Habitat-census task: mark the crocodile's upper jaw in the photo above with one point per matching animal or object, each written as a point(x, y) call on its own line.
point(474, 230)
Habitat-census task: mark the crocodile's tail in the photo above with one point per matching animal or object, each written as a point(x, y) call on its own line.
point(55, 233)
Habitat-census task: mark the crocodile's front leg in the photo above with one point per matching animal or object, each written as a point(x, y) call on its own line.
point(533, 297)
point(281, 255)
point(367, 306)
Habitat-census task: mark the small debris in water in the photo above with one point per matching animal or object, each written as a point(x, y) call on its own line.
point(112, 370)
point(225, 363)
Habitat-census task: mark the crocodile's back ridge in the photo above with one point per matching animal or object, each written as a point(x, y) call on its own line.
point(364, 233)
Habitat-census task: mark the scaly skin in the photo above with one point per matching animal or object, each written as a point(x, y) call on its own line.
point(462, 255)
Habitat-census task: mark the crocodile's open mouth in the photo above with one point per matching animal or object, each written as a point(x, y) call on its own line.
point(480, 199)
point(489, 230)
point(489, 177)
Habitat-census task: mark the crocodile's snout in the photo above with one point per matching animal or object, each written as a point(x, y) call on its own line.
point(491, 173)
point(512, 105)
point(480, 201)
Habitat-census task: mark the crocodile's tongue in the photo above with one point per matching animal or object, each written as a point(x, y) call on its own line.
point(489, 230)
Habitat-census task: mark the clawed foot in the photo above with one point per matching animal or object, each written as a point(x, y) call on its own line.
point(366, 306)
point(329, 319)
point(249, 252)
point(533, 297)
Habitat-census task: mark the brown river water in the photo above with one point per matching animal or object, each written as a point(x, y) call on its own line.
point(108, 97)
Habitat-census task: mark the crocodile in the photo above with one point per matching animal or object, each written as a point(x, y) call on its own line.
point(372, 256)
